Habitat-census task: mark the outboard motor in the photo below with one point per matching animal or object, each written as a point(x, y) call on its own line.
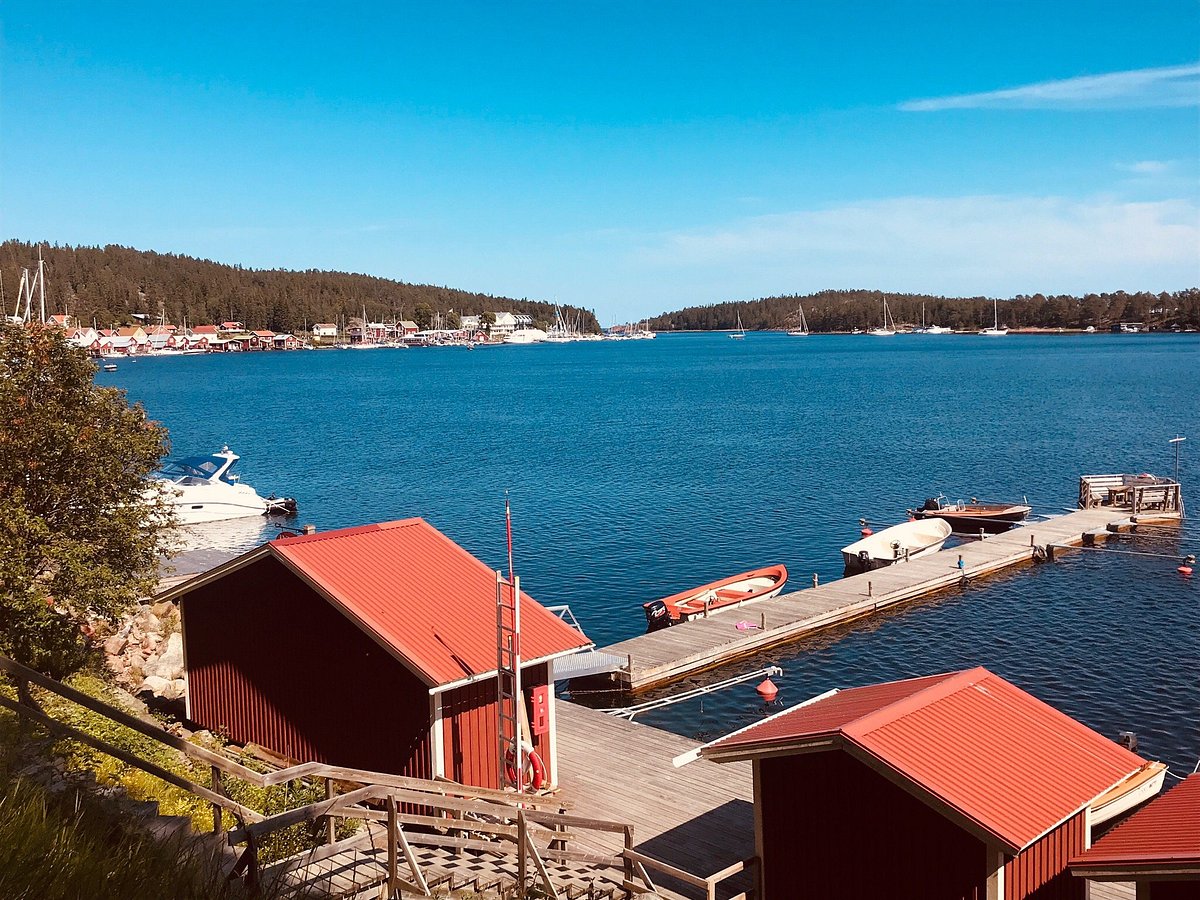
point(657, 615)
point(931, 503)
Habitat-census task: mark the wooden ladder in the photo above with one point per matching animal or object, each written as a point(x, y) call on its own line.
point(509, 697)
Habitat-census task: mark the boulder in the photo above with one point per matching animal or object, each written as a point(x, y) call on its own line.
point(114, 644)
point(169, 664)
point(155, 685)
point(162, 609)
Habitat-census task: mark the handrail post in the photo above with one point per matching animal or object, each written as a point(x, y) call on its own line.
point(628, 846)
point(218, 787)
point(330, 822)
point(393, 842)
point(522, 864)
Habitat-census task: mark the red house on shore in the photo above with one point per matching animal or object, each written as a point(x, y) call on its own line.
point(952, 786)
point(371, 648)
point(1157, 848)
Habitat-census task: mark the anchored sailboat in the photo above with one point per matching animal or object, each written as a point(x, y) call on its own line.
point(889, 324)
point(995, 330)
point(740, 334)
point(801, 329)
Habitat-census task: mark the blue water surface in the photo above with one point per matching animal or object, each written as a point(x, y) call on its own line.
point(639, 468)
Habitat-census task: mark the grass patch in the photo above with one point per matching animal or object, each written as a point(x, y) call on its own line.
point(172, 801)
point(65, 848)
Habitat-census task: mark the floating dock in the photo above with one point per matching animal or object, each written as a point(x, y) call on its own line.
point(657, 658)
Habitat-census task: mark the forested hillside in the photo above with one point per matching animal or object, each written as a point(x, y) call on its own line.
point(846, 310)
point(110, 284)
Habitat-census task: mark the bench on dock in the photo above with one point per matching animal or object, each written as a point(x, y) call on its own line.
point(1140, 493)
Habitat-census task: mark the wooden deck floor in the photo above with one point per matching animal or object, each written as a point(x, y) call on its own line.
point(699, 817)
point(669, 654)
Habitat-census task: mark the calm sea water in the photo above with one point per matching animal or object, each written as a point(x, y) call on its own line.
point(636, 469)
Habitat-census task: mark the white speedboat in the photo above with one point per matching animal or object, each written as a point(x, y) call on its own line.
point(900, 543)
point(526, 336)
point(204, 489)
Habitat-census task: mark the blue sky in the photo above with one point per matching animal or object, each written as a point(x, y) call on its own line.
point(630, 157)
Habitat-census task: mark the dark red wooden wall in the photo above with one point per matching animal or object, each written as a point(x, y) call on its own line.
point(272, 662)
point(1039, 872)
point(470, 723)
point(832, 827)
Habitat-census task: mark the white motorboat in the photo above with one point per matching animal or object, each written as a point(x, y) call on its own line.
point(900, 543)
point(526, 336)
point(204, 489)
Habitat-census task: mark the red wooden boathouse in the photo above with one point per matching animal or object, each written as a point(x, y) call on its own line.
point(1157, 848)
point(952, 786)
point(370, 648)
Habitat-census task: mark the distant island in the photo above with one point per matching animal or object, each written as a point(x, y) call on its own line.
point(115, 285)
point(848, 310)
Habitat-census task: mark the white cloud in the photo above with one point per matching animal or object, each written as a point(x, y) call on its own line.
point(960, 246)
point(1146, 167)
point(1169, 86)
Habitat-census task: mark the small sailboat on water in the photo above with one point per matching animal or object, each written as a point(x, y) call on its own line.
point(740, 334)
point(801, 329)
point(995, 330)
point(889, 324)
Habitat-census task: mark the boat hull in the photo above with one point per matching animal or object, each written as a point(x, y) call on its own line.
point(900, 543)
point(974, 518)
point(736, 590)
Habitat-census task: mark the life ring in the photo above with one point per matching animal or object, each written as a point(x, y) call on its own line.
point(535, 768)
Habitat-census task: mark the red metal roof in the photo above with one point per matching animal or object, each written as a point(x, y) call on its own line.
point(422, 595)
point(1163, 834)
point(1009, 763)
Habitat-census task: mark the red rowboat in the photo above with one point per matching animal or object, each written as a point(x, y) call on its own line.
point(736, 590)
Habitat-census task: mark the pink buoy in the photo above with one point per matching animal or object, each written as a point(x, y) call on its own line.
point(767, 690)
point(1184, 570)
point(866, 532)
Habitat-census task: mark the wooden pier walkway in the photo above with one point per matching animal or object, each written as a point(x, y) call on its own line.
point(663, 656)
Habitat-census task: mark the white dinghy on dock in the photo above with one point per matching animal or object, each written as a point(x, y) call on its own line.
point(900, 543)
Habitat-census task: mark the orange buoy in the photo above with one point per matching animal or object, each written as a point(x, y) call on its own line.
point(866, 532)
point(1184, 570)
point(767, 690)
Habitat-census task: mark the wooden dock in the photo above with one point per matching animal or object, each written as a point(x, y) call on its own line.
point(663, 656)
point(699, 818)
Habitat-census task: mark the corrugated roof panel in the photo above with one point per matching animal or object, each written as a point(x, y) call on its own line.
point(827, 716)
point(423, 595)
point(1166, 831)
point(999, 755)
point(995, 754)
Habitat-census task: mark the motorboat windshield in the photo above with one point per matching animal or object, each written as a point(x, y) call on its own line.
point(202, 469)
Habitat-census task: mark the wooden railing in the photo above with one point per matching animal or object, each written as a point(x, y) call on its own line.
point(417, 812)
point(708, 884)
point(1141, 493)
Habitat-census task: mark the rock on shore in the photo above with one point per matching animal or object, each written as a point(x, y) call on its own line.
point(145, 653)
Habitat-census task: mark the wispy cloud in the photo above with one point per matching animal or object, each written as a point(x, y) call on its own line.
point(1146, 167)
point(1169, 86)
point(961, 245)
